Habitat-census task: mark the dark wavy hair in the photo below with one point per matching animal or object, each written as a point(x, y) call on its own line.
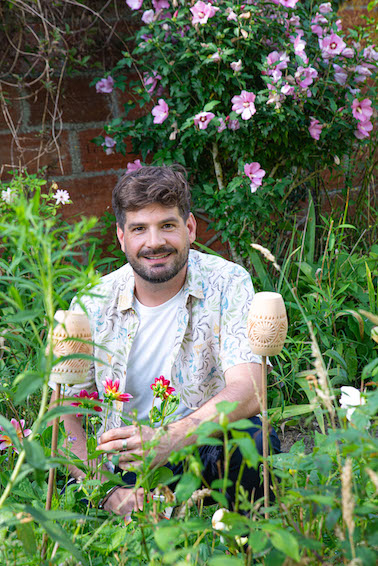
point(165, 185)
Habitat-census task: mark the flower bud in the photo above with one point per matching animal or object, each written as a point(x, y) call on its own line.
point(374, 334)
point(223, 420)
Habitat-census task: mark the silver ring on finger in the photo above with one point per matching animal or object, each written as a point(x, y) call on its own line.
point(124, 443)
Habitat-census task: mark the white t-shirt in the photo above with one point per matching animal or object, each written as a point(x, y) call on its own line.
point(150, 354)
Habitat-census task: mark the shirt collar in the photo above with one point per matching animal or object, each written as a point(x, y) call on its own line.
point(192, 286)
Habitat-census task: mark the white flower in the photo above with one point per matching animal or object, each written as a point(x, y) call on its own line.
point(61, 196)
point(8, 195)
point(350, 399)
point(236, 66)
point(216, 520)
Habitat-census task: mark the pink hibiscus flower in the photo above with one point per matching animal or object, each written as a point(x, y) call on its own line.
point(21, 431)
point(160, 111)
point(315, 128)
point(202, 12)
point(150, 82)
point(244, 104)
point(134, 166)
point(325, 8)
point(363, 129)
point(331, 45)
point(105, 86)
point(255, 173)
point(108, 144)
point(305, 76)
point(134, 4)
point(340, 75)
point(160, 4)
point(148, 16)
point(203, 119)
point(362, 110)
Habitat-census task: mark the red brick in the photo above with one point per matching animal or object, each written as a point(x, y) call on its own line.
point(30, 143)
point(12, 106)
point(351, 15)
point(94, 158)
point(91, 196)
point(204, 235)
point(78, 102)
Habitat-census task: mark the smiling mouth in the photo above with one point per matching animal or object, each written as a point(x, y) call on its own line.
point(159, 256)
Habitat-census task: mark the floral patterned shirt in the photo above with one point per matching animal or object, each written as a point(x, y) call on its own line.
point(211, 333)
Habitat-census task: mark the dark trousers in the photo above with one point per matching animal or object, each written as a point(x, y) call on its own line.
point(212, 458)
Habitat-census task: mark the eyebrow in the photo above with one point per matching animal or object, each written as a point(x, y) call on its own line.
point(165, 221)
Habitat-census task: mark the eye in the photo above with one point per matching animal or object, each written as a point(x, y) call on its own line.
point(168, 226)
point(138, 229)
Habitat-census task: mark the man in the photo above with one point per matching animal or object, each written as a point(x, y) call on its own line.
point(172, 312)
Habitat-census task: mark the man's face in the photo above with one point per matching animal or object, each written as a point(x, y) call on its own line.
point(156, 241)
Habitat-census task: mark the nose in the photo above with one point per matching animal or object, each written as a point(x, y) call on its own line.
point(155, 238)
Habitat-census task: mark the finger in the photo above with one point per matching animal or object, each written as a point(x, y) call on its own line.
point(118, 433)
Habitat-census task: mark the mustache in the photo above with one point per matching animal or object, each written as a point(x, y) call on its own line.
point(158, 251)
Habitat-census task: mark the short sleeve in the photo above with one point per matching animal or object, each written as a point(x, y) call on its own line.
point(236, 299)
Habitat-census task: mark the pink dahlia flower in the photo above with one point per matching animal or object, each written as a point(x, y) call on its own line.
point(160, 111)
point(315, 128)
point(362, 110)
point(84, 397)
point(203, 119)
point(21, 431)
point(134, 166)
point(112, 393)
point(202, 12)
point(331, 45)
point(105, 85)
point(255, 173)
point(363, 129)
point(244, 104)
point(161, 388)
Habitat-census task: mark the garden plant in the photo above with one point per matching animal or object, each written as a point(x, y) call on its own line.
point(256, 100)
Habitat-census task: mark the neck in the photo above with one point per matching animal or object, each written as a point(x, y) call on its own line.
point(155, 294)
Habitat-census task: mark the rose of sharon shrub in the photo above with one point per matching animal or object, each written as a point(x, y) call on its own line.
point(275, 83)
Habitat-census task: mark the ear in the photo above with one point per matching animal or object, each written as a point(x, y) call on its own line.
point(191, 225)
point(120, 236)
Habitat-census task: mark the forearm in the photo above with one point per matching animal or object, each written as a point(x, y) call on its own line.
point(75, 441)
point(245, 389)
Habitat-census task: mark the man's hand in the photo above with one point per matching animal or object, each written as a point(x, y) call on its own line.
point(130, 441)
point(123, 501)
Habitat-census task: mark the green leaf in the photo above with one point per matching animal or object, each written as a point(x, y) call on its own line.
point(55, 531)
point(210, 105)
point(309, 235)
point(168, 537)
point(284, 541)
point(186, 486)
point(25, 534)
point(226, 407)
point(225, 561)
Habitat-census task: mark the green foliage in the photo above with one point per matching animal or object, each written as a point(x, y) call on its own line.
point(189, 67)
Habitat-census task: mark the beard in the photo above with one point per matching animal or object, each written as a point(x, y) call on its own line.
point(160, 273)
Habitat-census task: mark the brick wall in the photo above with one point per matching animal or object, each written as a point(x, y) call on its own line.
point(70, 158)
